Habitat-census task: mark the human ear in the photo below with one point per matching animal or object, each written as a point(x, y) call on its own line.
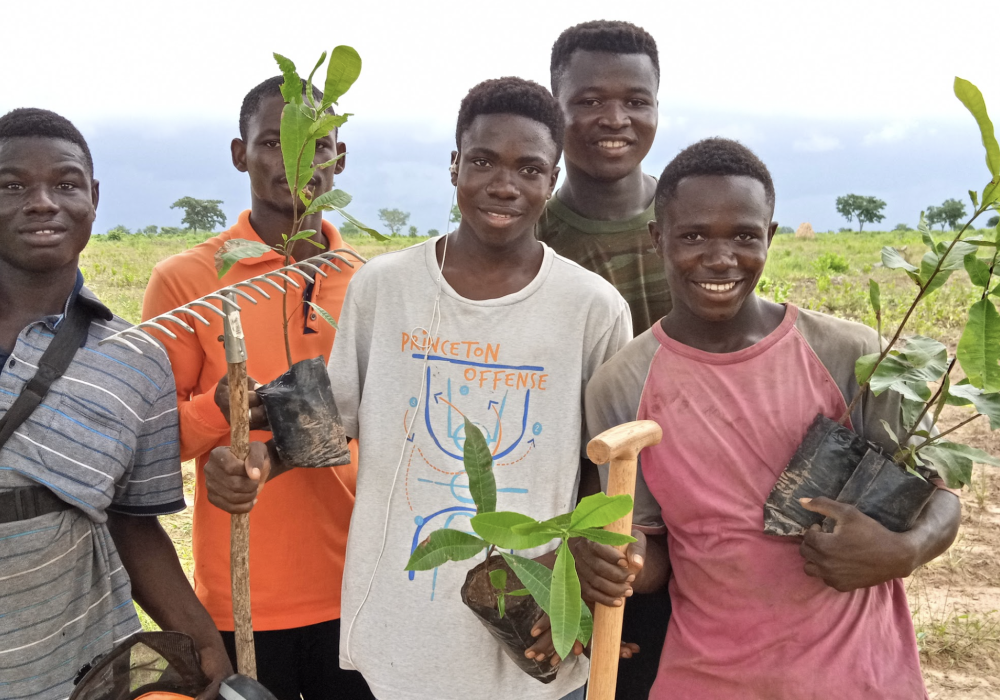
point(770, 232)
point(453, 168)
point(552, 182)
point(338, 168)
point(654, 233)
point(239, 150)
point(95, 192)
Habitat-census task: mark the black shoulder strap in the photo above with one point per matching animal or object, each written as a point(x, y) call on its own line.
point(70, 336)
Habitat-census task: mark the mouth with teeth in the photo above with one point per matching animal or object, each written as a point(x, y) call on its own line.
point(717, 286)
point(500, 218)
point(44, 236)
point(612, 144)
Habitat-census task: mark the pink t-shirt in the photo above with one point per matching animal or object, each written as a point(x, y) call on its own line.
point(747, 622)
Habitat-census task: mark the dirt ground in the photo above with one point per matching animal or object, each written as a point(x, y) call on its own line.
point(955, 599)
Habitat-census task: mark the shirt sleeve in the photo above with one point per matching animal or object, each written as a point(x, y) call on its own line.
point(348, 364)
point(152, 485)
point(202, 424)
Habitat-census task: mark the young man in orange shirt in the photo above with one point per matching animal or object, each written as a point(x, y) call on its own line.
point(299, 531)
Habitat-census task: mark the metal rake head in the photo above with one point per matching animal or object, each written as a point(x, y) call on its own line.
point(226, 297)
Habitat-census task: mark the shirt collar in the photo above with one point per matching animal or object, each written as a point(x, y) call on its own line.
point(86, 298)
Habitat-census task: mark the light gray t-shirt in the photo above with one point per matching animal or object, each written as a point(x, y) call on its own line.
point(517, 367)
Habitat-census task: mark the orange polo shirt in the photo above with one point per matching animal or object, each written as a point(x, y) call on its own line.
point(298, 529)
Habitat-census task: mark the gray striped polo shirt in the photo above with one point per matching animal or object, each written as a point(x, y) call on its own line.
point(105, 438)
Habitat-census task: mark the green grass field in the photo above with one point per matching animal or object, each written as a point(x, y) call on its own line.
point(954, 599)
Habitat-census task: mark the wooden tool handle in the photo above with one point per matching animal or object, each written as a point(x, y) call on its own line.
point(239, 537)
point(620, 446)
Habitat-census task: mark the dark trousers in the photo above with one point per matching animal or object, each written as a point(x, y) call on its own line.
point(303, 663)
point(645, 623)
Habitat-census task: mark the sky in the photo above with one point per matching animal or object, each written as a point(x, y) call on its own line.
point(836, 98)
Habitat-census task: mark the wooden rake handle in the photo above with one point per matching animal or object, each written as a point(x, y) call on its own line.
point(620, 446)
point(239, 533)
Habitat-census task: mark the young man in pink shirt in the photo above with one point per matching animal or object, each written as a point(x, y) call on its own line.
point(735, 380)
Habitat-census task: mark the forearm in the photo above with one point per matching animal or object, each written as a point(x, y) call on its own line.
point(935, 528)
point(158, 581)
point(656, 566)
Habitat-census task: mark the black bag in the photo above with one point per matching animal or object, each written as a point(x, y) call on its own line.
point(70, 337)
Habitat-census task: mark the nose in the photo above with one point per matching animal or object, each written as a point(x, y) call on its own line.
point(614, 116)
point(40, 201)
point(719, 256)
point(502, 185)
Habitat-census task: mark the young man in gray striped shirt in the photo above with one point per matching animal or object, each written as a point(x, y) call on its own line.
point(83, 477)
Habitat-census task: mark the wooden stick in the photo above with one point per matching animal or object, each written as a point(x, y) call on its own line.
point(239, 535)
point(620, 446)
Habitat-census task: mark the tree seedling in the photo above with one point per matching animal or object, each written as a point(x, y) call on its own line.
point(911, 365)
point(556, 590)
point(304, 121)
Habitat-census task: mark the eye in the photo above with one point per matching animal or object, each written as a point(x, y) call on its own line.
point(272, 143)
point(68, 186)
point(636, 102)
point(531, 170)
point(14, 186)
point(691, 236)
point(590, 102)
point(744, 236)
point(481, 162)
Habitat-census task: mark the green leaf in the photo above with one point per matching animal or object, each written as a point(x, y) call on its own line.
point(972, 98)
point(955, 469)
point(295, 141)
point(301, 235)
point(520, 592)
point(327, 123)
point(599, 510)
point(864, 366)
point(331, 162)
point(291, 89)
point(875, 294)
point(890, 431)
point(919, 360)
point(973, 453)
point(444, 545)
point(370, 231)
point(979, 271)
point(925, 232)
point(991, 193)
point(501, 605)
point(601, 536)
point(893, 259)
point(974, 196)
point(559, 524)
point(324, 314)
point(479, 468)
point(988, 404)
point(915, 391)
point(497, 529)
point(334, 199)
point(586, 625)
point(536, 577)
point(237, 249)
point(564, 602)
point(979, 346)
point(911, 411)
point(344, 69)
point(498, 577)
point(309, 81)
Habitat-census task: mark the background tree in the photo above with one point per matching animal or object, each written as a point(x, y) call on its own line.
point(433, 232)
point(902, 227)
point(414, 232)
point(993, 221)
point(865, 209)
point(952, 213)
point(456, 215)
point(394, 219)
point(200, 214)
point(349, 229)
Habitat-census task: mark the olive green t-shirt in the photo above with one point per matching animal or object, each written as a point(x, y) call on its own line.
point(619, 251)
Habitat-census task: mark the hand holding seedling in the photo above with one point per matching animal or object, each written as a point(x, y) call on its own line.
point(233, 485)
point(258, 418)
point(544, 649)
point(860, 553)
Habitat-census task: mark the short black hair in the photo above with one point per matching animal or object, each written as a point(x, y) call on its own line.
point(41, 123)
point(714, 156)
point(256, 96)
point(605, 35)
point(512, 96)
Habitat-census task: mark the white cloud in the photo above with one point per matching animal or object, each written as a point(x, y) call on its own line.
point(817, 143)
point(891, 133)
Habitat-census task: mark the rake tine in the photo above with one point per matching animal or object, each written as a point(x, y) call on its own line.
point(199, 302)
point(292, 268)
point(278, 273)
point(352, 253)
point(263, 278)
point(341, 258)
point(117, 338)
point(306, 263)
point(234, 290)
point(253, 287)
point(330, 264)
point(168, 317)
point(225, 300)
point(192, 312)
point(166, 331)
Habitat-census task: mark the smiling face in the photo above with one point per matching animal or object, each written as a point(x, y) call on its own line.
point(260, 157)
point(713, 240)
point(48, 203)
point(609, 101)
point(506, 172)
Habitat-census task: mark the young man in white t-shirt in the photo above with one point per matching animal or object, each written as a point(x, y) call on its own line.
point(485, 323)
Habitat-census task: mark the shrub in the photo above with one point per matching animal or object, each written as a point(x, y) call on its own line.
point(830, 262)
point(902, 227)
